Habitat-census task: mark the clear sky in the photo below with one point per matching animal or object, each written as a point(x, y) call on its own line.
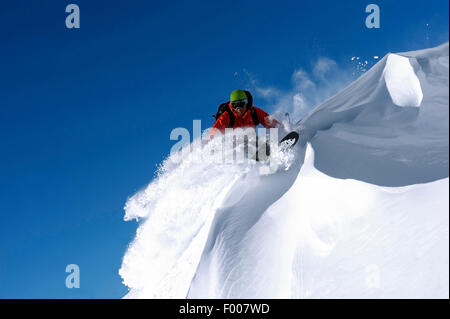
point(85, 114)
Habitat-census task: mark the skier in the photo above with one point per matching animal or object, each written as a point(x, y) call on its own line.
point(240, 112)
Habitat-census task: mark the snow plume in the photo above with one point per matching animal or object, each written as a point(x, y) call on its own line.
point(322, 67)
point(176, 210)
point(308, 89)
point(359, 208)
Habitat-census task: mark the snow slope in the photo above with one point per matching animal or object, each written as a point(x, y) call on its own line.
point(361, 211)
point(332, 238)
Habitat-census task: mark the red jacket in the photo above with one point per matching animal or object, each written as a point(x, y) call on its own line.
point(243, 121)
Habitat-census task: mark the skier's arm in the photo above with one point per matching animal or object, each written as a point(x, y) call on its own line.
point(220, 125)
point(266, 120)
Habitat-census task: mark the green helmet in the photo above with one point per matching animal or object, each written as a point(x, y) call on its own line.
point(237, 95)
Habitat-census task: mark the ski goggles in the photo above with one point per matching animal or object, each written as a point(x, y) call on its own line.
point(239, 103)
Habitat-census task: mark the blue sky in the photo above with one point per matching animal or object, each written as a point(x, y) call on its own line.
point(86, 114)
